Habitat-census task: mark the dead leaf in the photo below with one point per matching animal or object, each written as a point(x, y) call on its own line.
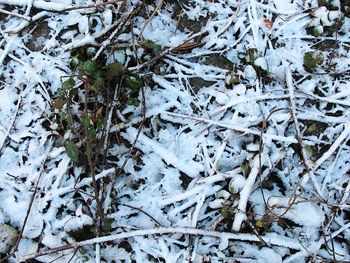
point(268, 23)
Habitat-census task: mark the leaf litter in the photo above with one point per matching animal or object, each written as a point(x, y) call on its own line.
point(227, 133)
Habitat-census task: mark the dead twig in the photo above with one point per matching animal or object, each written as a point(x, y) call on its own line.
point(273, 239)
point(144, 212)
point(91, 6)
point(150, 18)
point(163, 53)
point(28, 18)
point(123, 21)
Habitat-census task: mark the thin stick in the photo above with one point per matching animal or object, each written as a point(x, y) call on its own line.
point(305, 159)
point(333, 148)
point(150, 18)
point(287, 139)
point(28, 18)
point(115, 32)
point(163, 53)
point(92, 6)
point(240, 216)
point(142, 211)
point(272, 239)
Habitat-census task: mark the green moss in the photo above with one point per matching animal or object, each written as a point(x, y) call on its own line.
point(310, 61)
point(313, 31)
point(133, 83)
point(226, 212)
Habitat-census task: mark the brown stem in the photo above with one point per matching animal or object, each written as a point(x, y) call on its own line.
point(91, 164)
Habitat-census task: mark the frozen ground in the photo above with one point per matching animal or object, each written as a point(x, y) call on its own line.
point(234, 149)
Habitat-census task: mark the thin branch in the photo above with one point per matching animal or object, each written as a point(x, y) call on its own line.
point(142, 211)
point(164, 52)
point(28, 18)
point(150, 18)
point(39, 4)
point(334, 146)
point(305, 159)
point(240, 216)
point(120, 25)
point(272, 239)
point(92, 6)
point(287, 139)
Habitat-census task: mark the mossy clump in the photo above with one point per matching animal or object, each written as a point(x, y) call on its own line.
point(312, 60)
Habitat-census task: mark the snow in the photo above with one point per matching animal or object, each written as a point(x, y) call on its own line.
point(231, 157)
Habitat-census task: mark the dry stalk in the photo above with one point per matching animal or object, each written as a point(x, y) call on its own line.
point(92, 6)
point(150, 18)
point(124, 20)
point(273, 239)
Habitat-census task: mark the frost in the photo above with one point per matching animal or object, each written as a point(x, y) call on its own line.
point(249, 72)
point(238, 120)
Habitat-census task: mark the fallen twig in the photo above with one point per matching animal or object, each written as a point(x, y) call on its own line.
point(305, 159)
point(272, 239)
point(92, 6)
point(287, 139)
point(28, 18)
point(150, 18)
point(40, 4)
point(108, 41)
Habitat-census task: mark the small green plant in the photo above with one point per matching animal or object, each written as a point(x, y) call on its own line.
point(226, 212)
point(252, 55)
point(313, 31)
point(151, 46)
point(312, 60)
point(245, 168)
point(82, 107)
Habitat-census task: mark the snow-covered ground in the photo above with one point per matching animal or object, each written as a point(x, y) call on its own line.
point(235, 149)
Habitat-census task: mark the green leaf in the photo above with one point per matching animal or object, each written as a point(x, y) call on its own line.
point(86, 121)
point(133, 83)
point(59, 103)
point(74, 62)
point(91, 134)
point(245, 168)
point(309, 149)
point(150, 45)
point(252, 54)
point(313, 31)
point(114, 70)
point(312, 128)
point(68, 84)
point(101, 123)
point(310, 62)
point(89, 148)
point(235, 80)
point(8, 235)
point(68, 118)
point(98, 75)
point(259, 223)
point(89, 68)
point(73, 92)
point(134, 102)
point(107, 224)
point(97, 84)
point(226, 212)
point(72, 151)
